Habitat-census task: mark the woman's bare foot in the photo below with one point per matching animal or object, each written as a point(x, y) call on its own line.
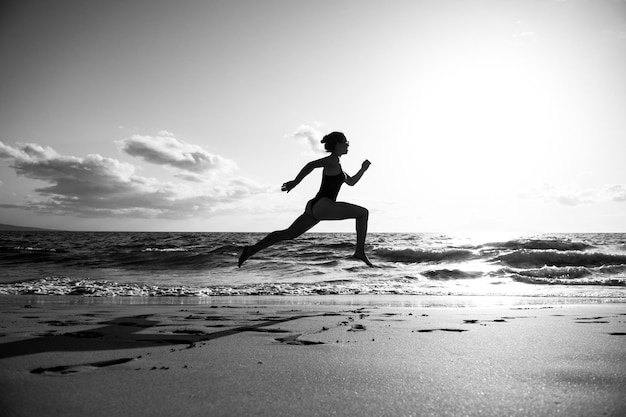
point(245, 254)
point(363, 257)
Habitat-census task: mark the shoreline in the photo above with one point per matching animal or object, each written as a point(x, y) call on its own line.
point(381, 300)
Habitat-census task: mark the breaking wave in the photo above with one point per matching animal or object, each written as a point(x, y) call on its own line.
point(60, 286)
point(612, 282)
point(532, 259)
point(541, 244)
point(570, 272)
point(449, 274)
point(418, 255)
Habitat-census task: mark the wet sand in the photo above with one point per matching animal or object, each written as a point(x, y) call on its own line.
point(311, 356)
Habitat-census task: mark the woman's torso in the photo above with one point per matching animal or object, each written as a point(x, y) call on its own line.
point(332, 180)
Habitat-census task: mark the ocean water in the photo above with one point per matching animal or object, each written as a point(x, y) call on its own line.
point(103, 264)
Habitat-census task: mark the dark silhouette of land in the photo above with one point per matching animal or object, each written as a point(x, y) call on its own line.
point(12, 228)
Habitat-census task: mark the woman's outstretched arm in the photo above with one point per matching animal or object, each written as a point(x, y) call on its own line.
point(353, 180)
point(290, 185)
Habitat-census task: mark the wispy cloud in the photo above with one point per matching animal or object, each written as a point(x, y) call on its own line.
point(571, 196)
point(616, 192)
point(165, 149)
point(97, 186)
point(310, 137)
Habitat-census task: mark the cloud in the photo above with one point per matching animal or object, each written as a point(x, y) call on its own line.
point(566, 197)
point(26, 151)
point(310, 137)
point(187, 176)
point(570, 196)
point(616, 192)
point(166, 149)
point(96, 186)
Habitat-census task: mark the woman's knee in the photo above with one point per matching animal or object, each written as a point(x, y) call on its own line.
point(358, 212)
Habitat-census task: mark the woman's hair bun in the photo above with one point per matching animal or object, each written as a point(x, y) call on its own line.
point(331, 140)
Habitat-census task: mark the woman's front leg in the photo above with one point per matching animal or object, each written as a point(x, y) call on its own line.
point(329, 210)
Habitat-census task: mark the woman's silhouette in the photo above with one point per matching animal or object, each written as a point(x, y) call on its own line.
point(324, 206)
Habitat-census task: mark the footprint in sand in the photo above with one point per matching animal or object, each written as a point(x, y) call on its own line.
point(85, 334)
point(293, 340)
point(357, 328)
point(262, 330)
point(442, 330)
point(591, 320)
point(190, 331)
point(73, 369)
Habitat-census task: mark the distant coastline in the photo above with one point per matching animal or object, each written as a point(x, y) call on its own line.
point(13, 228)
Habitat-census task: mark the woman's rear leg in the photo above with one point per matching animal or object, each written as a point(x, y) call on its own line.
point(298, 227)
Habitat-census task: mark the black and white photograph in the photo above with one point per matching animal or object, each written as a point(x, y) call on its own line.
point(312, 208)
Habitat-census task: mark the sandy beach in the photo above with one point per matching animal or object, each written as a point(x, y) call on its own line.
point(312, 356)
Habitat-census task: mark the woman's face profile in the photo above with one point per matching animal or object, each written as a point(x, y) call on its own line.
point(342, 147)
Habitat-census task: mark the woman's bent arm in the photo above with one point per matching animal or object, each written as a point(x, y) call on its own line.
point(353, 180)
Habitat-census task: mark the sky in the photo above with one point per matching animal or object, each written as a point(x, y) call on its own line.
point(478, 116)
